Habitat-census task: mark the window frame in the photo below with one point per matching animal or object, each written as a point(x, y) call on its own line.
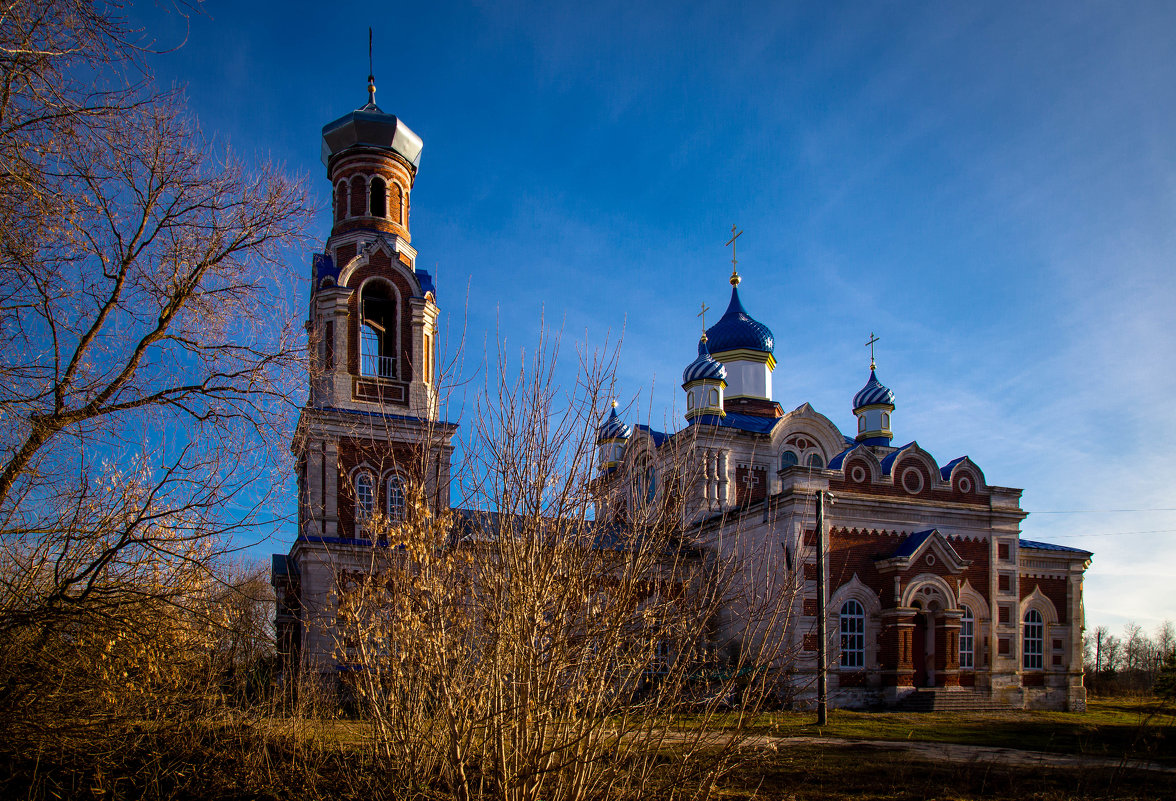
point(393, 492)
point(967, 638)
point(853, 638)
point(365, 496)
point(1033, 640)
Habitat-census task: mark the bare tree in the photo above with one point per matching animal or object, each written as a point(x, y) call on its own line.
point(144, 375)
point(530, 651)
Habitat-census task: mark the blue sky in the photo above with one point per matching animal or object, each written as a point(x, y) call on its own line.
point(990, 188)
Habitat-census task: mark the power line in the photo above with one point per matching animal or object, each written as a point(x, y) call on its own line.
point(1097, 511)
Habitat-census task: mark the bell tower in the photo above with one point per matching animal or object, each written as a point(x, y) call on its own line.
point(370, 428)
point(372, 455)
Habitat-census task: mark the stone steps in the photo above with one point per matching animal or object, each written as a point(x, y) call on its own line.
point(941, 699)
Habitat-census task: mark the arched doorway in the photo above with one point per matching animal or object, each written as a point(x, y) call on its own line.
point(919, 646)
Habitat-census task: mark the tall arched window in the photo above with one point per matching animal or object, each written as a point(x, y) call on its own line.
point(853, 635)
point(340, 201)
point(358, 196)
point(789, 459)
point(885, 420)
point(377, 332)
point(645, 481)
point(861, 423)
point(1033, 642)
point(395, 498)
point(379, 198)
point(365, 497)
point(967, 638)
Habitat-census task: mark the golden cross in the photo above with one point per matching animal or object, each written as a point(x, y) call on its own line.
point(873, 339)
point(731, 242)
point(702, 314)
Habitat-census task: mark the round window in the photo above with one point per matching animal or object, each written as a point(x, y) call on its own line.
point(858, 473)
point(912, 481)
point(965, 484)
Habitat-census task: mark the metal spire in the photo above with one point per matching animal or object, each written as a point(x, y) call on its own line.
point(371, 73)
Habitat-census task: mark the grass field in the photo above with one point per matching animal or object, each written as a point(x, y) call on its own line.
point(815, 773)
point(1138, 728)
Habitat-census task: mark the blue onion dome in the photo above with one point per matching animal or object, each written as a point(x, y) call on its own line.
point(738, 330)
point(873, 393)
point(613, 428)
point(704, 368)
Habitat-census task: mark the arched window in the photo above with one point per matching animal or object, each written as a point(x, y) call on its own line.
point(853, 635)
point(714, 398)
point(395, 498)
point(815, 460)
point(378, 198)
point(690, 400)
point(861, 423)
point(885, 420)
point(645, 482)
point(967, 638)
point(1033, 641)
point(377, 332)
point(396, 196)
point(340, 201)
point(365, 498)
point(358, 196)
point(788, 459)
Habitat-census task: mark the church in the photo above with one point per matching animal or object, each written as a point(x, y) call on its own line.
point(933, 599)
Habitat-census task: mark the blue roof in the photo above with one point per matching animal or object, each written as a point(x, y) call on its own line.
point(737, 329)
point(658, 437)
point(324, 267)
point(742, 422)
point(874, 392)
point(888, 460)
point(945, 471)
point(426, 281)
point(1046, 546)
point(912, 543)
point(836, 462)
point(704, 368)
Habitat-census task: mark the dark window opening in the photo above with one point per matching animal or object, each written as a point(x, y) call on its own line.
point(377, 333)
point(358, 199)
point(340, 202)
point(379, 198)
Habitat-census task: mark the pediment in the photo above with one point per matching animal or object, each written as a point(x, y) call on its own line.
point(917, 547)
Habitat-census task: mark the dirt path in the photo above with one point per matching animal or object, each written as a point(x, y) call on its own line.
point(955, 752)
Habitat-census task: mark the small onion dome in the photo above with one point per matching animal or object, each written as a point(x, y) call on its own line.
point(704, 368)
point(612, 428)
point(874, 393)
point(738, 330)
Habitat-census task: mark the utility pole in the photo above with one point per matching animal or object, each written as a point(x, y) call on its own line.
point(822, 637)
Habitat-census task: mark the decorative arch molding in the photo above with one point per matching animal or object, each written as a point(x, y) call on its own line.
point(804, 419)
point(1039, 601)
point(964, 466)
point(857, 455)
point(968, 596)
point(942, 588)
point(854, 589)
point(363, 258)
point(894, 462)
